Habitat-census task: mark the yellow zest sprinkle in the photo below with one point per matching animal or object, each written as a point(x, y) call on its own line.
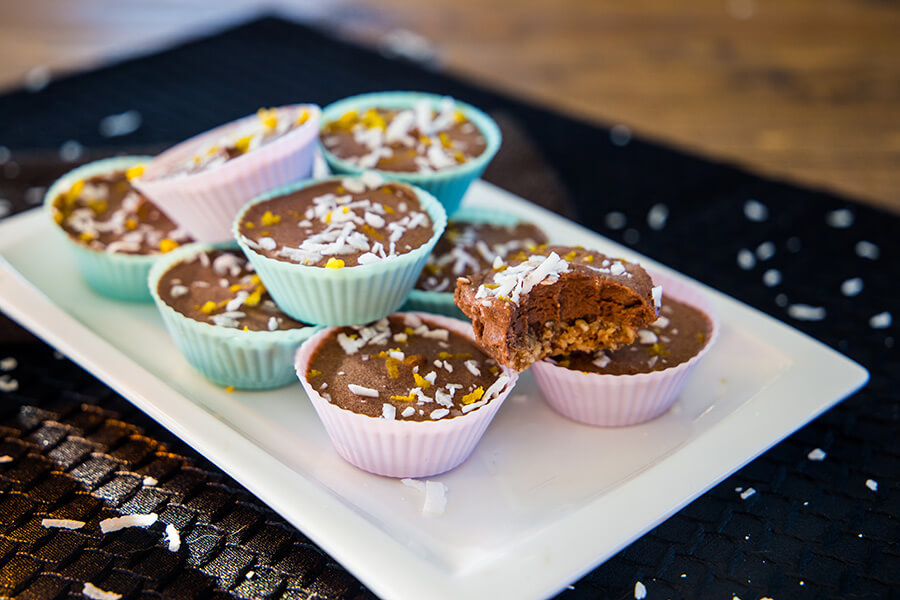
point(433, 268)
point(458, 355)
point(388, 209)
point(98, 206)
point(658, 350)
point(588, 258)
point(229, 389)
point(313, 373)
point(131, 224)
point(167, 245)
point(303, 118)
point(492, 286)
point(392, 365)
point(254, 298)
point(564, 363)
point(246, 328)
point(243, 144)
point(446, 142)
point(87, 236)
point(501, 268)
point(334, 263)
point(209, 308)
point(570, 255)
point(197, 159)
point(255, 280)
point(134, 172)
point(212, 150)
point(408, 331)
point(459, 156)
point(460, 118)
point(353, 336)
point(371, 231)
point(408, 398)
point(372, 120)
point(701, 337)
point(494, 369)
point(328, 218)
point(265, 234)
point(347, 119)
point(421, 381)
point(474, 396)
point(235, 288)
point(411, 360)
point(249, 224)
point(425, 140)
point(268, 117)
point(268, 219)
point(340, 189)
point(74, 191)
point(58, 217)
point(346, 209)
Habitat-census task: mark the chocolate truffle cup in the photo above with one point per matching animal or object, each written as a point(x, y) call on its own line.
point(350, 295)
point(620, 400)
point(115, 275)
point(204, 203)
point(447, 185)
point(442, 302)
point(402, 448)
point(247, 360)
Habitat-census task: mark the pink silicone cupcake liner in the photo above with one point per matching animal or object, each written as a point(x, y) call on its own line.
point(620, 400)
point(401, 448)
point(204, 203)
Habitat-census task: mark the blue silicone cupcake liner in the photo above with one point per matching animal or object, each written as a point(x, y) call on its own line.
point(441, 303)
point(447, 185)
point(248, 360)
point(348, 296)
point(114, 275)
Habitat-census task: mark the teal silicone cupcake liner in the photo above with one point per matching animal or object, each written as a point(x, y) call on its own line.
point(447, 185)
point(114, 275)
point(348, 296)
point(441, 303)
point(248, 360)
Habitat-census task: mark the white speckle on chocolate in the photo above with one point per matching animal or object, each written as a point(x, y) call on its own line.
point(439, 413)
point(852, 287)
point(657, 216)
point(756, 211)
point(388, 411)
point(362, 391)
point(765, 251)
point(841, 218)
point(865, 249)
point(882, 320)
point(805, 312)
point(745, 259)
point(771, 277)
point(816, 454)
point(657, 293)
point(645, 336)
point(408, 412)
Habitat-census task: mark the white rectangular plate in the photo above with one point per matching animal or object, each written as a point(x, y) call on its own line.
point(540, 502)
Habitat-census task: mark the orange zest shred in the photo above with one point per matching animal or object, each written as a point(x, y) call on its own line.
point(473, 396)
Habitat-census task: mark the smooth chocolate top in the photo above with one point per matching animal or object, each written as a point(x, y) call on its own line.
point(678, 335)
point(404, 368)
point(270, 124)
point(105, 213)
point(411, 140)
point(221, 288)
point(468, 248)
point(337, 224)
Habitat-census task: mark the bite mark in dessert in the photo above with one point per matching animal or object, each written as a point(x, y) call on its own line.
point(679, 334)
point(404, 368)
point(221, 288)
point(555, 300)
point(337, 224)
point(417, 139)
point(105, 213)
point(468, 248)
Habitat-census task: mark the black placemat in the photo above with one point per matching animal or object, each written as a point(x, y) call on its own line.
point(813, 529)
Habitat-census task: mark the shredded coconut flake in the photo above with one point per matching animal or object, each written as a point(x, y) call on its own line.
point(362, 391)
point(657, 293)
point(138, 520)
point(388, 411)
point(435, 499)
point(94, 593)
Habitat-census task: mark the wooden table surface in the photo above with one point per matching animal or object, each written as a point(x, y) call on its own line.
point(807, 90)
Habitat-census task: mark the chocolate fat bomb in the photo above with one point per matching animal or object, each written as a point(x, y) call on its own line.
point(556, 300)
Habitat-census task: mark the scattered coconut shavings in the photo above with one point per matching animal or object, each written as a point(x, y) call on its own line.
point(362, 391)
point(62, 524)
point(92, 591)
point(805, 312)
point(137, 520)
point(8, 364)
point(173, 538)
point(816, 454)
point(640, 591)
point(150, 481)
point(414, 484)
point(747, 493)
point(520, 279)
point(8, 384)
point(872, 485)
point(435, 495)
point(6, 458)
point(881, 321)
point(756, 211)
point(389, 411)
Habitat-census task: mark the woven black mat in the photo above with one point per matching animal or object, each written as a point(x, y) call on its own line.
point(814, 529)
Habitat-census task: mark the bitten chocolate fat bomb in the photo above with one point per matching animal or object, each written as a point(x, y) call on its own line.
point(556, 300)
